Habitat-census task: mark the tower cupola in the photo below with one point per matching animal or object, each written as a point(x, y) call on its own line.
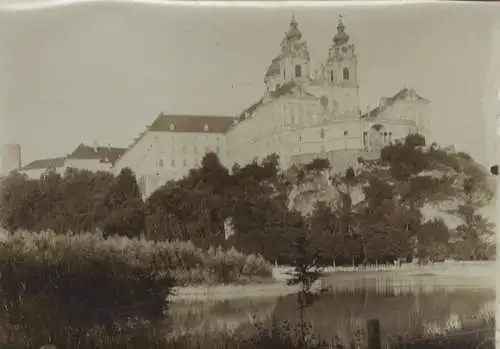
point(293, 32)
point(292, 64)
point(341, 37)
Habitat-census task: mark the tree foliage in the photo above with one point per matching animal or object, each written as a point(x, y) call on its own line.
point(78, 201)
point(372, 214)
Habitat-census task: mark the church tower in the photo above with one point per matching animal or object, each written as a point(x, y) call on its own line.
point(341, 74)
point(292, 64)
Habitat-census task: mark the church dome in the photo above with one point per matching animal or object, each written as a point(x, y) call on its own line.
point(274, 68)
point(341, 37)
point(293, 32)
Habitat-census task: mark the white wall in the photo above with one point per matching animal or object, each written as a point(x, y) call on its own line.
point(161, 156)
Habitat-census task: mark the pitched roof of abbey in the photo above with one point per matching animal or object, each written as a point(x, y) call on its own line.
point(191, 123)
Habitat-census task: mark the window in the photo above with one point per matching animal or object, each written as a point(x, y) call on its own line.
point(205, 128)
point(322, 133)
point(218, 149)
point(195, 148)
point(184, 163)
point(284, 74)
point(346, 133)
point(345, 73)
point(172, 163)
point(160, 163)
point(331, 75)
point(298, 71)
point(300, 139)
point(172, 127)
point(322, 148)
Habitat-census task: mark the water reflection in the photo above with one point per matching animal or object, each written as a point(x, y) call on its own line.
point(403, 310)
point(345, 313)
point(201, 317)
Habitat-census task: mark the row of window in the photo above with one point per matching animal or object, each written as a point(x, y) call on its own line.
point(160, 163)
point(298, 73)
point(205, 127)
point(322, 135)
point(345, 74)
point(195, 148)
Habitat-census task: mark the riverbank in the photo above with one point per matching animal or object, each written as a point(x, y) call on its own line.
point(407, 277)
point(272, 289)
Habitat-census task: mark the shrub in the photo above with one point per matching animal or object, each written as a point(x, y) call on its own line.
point(50, 281)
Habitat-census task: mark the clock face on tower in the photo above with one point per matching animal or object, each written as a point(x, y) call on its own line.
point(344, 49)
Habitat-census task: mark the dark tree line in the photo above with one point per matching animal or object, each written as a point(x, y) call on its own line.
point(78, 201)
point(385, 225)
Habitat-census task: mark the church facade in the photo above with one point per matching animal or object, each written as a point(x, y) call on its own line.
point(301, 116)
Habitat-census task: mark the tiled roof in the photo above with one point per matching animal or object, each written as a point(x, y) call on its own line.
point(104, 154)
point(191, 123)
point(404, 93)
point(45, 164)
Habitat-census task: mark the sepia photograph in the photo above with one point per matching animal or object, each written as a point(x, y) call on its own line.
point(249, 176)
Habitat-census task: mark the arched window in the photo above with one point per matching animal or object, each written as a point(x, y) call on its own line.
point(345, 73)
point(331, 75)
point(298, 71)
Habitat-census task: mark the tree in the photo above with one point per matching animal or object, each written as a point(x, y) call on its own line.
point(327, 238)
point(126, 210)
point(433, 241)
point(192, 208)
point(18, 200)
point(474, 234)
point(257, 200)
point(386, 228)
point(307, 270)
point(53, 202)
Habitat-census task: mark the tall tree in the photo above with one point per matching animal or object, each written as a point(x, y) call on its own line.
point(475, 233)
point(18, 202)
point(126, 210)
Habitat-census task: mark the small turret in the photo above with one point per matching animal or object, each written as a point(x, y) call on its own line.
point(341, 37)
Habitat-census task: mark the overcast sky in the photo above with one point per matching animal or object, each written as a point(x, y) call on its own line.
point(102, 73)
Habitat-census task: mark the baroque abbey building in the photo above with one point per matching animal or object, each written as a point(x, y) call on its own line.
point(304, 113)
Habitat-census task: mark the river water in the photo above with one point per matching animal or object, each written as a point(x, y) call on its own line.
point(409, 305)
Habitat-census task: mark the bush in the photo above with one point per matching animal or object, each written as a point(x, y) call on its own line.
point(50, 281)
point(143, 336)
